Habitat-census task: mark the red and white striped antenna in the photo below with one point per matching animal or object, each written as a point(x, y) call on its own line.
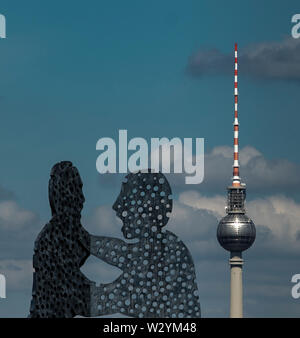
point(236, 173)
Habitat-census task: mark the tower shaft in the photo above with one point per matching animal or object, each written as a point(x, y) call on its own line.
point(236, 285)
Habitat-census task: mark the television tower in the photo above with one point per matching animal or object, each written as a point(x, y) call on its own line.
point(236, 231)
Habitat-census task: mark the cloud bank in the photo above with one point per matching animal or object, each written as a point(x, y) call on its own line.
point(263, 175)
point(268, 60)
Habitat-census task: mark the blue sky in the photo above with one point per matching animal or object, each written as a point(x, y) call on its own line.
point(72, 72)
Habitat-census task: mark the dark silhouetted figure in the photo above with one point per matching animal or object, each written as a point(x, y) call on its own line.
point(60, 289)
point(158, 278)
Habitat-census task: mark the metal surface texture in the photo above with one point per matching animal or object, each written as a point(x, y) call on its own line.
point(158, 278)
point(236, 232)
point(158, 275)
point(60, 289)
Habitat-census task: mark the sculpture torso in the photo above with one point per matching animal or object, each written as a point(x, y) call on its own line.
point(158, 278)
point(60, 289)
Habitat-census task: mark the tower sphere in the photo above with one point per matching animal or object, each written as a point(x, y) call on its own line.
point(236, 232)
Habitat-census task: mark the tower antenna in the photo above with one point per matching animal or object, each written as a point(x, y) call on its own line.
point(236, 181)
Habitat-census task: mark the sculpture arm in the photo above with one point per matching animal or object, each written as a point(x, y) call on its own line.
point(111, 250)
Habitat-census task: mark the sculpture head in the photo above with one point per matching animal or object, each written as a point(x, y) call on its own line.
point(144, 204)
point(65, 189)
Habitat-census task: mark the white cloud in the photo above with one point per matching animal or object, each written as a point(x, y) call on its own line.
point(262, 174)
point(18, 273)
point(103, 220)
point(194, 199)
point(18, 229)
point(246, 153)
point(13, 217)
point(280, 214)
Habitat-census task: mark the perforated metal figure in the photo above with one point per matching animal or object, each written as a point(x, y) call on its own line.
point(59, 287)
point(158, 278)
